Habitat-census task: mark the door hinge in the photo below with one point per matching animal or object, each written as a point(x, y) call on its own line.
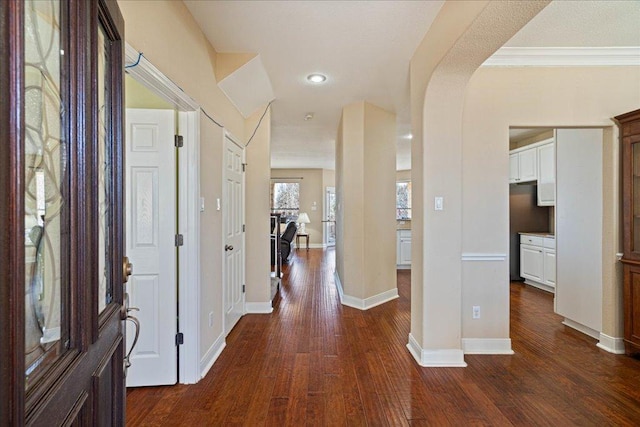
point(179, 141)
point(179, 338)
point(179, 240)
point(244, 167)
point(243, 228)
point(243, 289)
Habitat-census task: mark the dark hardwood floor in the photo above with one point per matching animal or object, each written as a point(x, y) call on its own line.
point(316, 362)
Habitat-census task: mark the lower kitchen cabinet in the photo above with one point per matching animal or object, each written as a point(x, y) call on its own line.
point(404, 249)
point(538, 261)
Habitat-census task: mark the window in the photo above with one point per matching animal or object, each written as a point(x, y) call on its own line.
point(403, 200)
point(285, 199)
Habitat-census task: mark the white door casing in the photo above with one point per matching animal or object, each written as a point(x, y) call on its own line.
point(329, 216)
point(150, 244)
point(233, 220)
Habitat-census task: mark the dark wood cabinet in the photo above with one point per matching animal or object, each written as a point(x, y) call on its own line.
point(630, 137)
point(61, 186)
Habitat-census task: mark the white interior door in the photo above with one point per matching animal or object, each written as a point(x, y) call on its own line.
point(150, 239)
point(233, 219)
point(330, 216)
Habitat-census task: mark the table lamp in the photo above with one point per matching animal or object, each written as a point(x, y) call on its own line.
point(303, 219)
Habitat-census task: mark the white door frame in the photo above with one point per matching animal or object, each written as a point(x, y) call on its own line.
point(189, 216)
point(325, 217)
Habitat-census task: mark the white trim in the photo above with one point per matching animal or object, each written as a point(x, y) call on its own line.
point(439, 358)
point(611, 344)
point(486, 346)
point(541, 286)
point(303, 245)
point(403, 266)
point(483, 257)
point(581, 328)
point(212, 355)
point(564, 57)
point(189, 223)
point(258, 307)
point(151, 77)
point(189, 261)
point(367, 303)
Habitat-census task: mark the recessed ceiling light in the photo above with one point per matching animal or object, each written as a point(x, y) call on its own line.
point(317, 78)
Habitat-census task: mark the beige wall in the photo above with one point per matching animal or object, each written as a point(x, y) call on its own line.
point(549, 97)
point(258, 209)
point(211, 241)
point(365, 178)
point(454, 18)
point(187, 58)
point(182, 54)
point(138, 96)
point(461, 38)
point(312, 186)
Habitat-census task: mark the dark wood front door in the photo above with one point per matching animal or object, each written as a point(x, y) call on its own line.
point(61, 213)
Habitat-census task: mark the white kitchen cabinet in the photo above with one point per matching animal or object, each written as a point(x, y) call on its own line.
point(523, 165)
point(538, 261)
point(531, 262)
point(547, 174)
point(404, 249)
point(549, 266)
point(514, 169)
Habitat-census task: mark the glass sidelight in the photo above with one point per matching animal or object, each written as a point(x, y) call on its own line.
point(46, 182)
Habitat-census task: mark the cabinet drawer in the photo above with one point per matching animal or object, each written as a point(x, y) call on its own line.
point(404, 234)
point(549, 243)
point(531, 240)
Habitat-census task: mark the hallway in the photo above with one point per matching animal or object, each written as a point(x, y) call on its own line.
point(316, 362)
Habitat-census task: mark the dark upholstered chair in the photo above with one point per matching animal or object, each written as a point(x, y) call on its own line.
point(286, 239)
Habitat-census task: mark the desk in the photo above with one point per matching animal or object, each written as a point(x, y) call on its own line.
point(298, 235)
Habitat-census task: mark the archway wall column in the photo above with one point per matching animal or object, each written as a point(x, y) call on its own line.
point(461, 38)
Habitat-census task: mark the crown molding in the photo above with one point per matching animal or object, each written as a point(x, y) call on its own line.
point(564, 57)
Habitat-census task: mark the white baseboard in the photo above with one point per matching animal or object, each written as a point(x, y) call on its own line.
point(258, 307)
point(367, 303)
point(581, 328)
point(439, 358)
point(486, 346)
point(212, 355)
point(540, 286)
point(303, 246)
point(611, 344)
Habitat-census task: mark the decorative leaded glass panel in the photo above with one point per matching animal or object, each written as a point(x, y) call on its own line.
point(46, 178)
point(104, 170)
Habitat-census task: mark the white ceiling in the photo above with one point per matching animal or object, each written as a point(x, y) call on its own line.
point(364, 48)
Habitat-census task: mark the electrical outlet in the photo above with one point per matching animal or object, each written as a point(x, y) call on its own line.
point(476, 311)
point(211, 319)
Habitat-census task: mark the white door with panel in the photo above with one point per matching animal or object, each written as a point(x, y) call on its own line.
point(150, 242)
point(233, 219)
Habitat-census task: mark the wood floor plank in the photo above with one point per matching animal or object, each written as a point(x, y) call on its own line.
point(316, 362)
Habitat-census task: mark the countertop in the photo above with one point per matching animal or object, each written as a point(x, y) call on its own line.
point(539, 234)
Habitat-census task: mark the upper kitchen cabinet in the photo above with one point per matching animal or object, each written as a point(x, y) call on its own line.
point(523, 165)
point(547, 173)
point(630, 136)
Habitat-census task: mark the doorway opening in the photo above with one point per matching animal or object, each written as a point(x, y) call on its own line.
point(182, 224)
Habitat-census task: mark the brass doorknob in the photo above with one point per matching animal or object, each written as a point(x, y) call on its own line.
point(127, 269)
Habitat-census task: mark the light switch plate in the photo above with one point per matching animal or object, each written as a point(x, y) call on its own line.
point(439, 203)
